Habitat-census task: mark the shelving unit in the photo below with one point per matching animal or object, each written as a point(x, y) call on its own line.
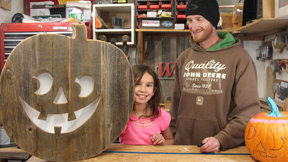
point(106, 12)
point(263, 26)
point(180, 12)
point(143, 7)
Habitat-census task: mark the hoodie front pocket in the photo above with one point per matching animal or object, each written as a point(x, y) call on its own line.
point(193, 130)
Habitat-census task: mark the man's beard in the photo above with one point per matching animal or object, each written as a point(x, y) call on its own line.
point(206, 32)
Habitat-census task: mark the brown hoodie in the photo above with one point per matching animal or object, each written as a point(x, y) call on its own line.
point(215, 95)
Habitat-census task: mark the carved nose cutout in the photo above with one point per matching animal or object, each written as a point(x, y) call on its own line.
point(60, 97)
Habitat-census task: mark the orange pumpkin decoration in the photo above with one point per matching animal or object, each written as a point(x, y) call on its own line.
point(266, 134)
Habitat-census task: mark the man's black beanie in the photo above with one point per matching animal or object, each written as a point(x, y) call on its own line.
point(209, 9)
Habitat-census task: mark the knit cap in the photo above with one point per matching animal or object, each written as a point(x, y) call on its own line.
point(209, 9)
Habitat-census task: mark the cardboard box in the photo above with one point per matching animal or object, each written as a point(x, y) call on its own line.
point(237, 16)
point(227, 20)
point(180, 26)
point(157, 22)
point(151, 14)
point(268, 8)
point(5, 4)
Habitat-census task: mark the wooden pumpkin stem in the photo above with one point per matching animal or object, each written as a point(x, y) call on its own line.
point(274, 108)
point(79, 32)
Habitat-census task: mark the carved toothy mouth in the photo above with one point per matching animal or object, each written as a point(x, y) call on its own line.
point(60, 120)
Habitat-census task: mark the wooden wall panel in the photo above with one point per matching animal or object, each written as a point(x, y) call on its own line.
point(165, 50)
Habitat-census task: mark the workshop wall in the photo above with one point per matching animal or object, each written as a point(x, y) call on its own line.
point(282, 75)
point(179, 45)
point(251, 47)
point(16, 6)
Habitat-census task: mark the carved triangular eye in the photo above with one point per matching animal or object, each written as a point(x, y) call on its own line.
point(45, 81)
point(87, 84)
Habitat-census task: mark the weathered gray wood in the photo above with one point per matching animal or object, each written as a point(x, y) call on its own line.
point(165, 80)
point(180, 44)
point(173, 56)
point(158, 55)
point(66, 58)
point(157, 59)
point(187, 44)
point(165, 50)
point(13, 153)
point(149, 53)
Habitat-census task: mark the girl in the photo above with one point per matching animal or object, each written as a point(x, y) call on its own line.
point(148, 123)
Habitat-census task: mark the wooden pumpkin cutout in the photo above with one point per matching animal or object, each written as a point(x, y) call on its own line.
point(46, 76)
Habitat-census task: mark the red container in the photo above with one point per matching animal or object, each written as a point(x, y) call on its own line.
point(154, 5)
point(142, 5)
point(181, 5)
point(166, 5)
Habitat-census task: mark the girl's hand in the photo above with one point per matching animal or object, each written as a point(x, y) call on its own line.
point(158, 139)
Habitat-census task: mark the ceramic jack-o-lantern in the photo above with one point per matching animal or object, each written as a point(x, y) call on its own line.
point(65, 98)
point(266, 135)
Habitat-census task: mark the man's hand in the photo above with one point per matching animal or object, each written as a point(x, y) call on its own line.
point(211, 145)
point(158, 139)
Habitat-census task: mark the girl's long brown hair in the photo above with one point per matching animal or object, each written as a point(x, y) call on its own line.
point(138, 72)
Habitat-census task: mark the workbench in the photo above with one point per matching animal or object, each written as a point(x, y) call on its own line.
point(13, 153)
point(147, 153)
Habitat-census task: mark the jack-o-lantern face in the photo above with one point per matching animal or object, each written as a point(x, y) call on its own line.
point(57, 111)
point(65, 99)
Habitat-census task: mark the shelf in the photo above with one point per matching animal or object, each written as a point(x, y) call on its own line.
point(113, 30)
point(260, 26)
point(163, 30)
point(173, 30)
point(106, 12)
point(263, 26)
point(114, 7)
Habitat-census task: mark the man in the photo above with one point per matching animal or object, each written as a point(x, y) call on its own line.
point(215, 89)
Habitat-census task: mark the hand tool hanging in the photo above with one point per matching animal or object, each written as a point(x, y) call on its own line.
point(125, 39)
point(103, 38)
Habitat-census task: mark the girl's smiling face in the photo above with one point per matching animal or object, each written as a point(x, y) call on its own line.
point(144, 90)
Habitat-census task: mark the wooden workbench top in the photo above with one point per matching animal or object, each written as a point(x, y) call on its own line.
point(117, 152)
point(13, 153)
